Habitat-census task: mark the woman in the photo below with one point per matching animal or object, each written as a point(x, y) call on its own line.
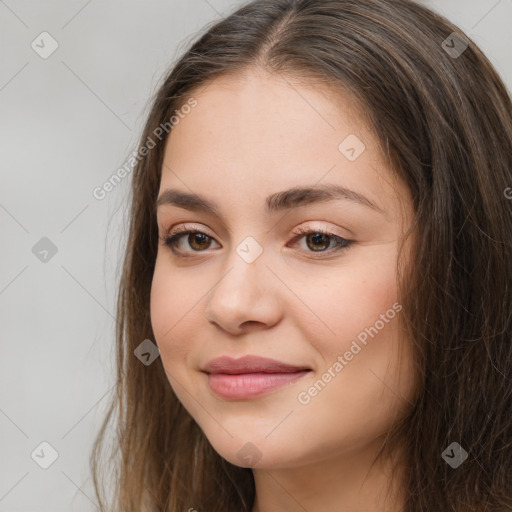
point(320, 248)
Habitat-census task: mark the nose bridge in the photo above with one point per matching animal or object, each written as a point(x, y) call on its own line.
point(245, 267)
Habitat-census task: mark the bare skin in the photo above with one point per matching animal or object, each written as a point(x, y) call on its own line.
point(303, 302)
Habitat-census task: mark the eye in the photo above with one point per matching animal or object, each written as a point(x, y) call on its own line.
point(196, 239)
point(318, 240)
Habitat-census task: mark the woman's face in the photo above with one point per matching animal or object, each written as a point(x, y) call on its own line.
point(251, 284)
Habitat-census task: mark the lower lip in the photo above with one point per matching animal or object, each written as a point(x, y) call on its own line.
point(248, 385)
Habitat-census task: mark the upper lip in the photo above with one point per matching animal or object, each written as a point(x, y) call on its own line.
point(250, 364)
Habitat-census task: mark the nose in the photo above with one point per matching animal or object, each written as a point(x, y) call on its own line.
point(244, 298)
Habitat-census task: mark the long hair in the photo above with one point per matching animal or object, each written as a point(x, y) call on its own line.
point(443, 118)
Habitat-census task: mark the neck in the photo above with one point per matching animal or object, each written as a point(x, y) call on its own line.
point(346, 482)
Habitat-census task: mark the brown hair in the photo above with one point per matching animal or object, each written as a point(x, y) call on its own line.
point(445, 123)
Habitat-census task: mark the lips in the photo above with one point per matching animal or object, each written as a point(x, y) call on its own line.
point(250, 364)
point(250, 376)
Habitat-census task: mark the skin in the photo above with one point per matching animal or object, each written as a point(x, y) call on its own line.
point(252, 135)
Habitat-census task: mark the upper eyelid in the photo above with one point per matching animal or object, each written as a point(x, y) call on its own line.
point(349, 226)
point(183, 227)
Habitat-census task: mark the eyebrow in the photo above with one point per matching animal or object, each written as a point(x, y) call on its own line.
point(279, 201)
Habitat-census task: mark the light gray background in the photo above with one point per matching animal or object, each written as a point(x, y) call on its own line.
point(67, 123)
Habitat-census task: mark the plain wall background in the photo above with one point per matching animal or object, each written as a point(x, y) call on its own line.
point(68, 123)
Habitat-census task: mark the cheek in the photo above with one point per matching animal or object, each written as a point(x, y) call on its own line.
point(356, 317)
point(352, 299)
point(163, 302)
point(360, 393)
point(171, 310)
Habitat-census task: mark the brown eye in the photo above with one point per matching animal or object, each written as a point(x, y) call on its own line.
point(318, 239)
point(199, 241)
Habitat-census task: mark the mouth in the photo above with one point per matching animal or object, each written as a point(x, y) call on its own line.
point(250, 376)
point(250, 364)
point(248, 385)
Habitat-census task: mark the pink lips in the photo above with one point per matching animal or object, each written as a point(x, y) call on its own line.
point(249, 376)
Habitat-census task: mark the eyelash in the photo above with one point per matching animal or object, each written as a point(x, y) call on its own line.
point(341, 244)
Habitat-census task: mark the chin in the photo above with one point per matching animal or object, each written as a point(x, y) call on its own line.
point(253, 451)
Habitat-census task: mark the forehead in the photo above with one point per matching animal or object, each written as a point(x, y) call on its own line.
point(257, 109)
point(254, 134)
